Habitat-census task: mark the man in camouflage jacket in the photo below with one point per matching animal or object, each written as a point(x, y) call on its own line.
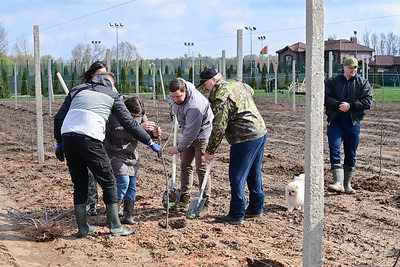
point(237, 118)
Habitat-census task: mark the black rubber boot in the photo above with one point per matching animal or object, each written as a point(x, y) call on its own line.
point(129, 206)
point(113, 221)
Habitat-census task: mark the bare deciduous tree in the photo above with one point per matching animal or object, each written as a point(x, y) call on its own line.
point(382, 44)
point(390, 43)
point(127, 53)
point(82, 53)
point(3, 39)
point(374, 42)
point(366, 38)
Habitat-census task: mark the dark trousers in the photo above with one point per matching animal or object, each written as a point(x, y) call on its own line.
point(245, 167)
point(83, 153)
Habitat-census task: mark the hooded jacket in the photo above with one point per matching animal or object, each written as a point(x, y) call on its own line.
point(194, 115)
point(358, 93)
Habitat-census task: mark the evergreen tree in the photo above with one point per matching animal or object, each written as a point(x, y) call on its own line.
point(73, 79)
point(229, 73)
point(141, 77)
point(287, 82)
point(253, 82)
point(5, 85)
point(191, 75)
point(264, 79)
point(56, 83)
point(65, 70)
point(166, 69)
point(179, 72)
point(24, 86)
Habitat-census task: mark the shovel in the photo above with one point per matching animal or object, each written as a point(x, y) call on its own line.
point(196, 206)
point(174, 194)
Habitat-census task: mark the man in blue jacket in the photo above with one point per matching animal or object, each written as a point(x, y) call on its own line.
point(347, 96)
point(194, 115)
point(79, 129)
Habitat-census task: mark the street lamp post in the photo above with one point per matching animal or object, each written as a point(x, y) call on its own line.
point(251, 29)
point(117, 26)
point(95, 43)
point(355, 34)
point(262, 38)
point(188, 44)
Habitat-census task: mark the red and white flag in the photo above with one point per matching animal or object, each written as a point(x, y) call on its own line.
point(264, 50)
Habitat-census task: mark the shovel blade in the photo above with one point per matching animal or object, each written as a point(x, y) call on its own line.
point(195, 207)
point(173, 198)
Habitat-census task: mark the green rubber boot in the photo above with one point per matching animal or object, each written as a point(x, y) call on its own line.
point(348, 176)
point(338, 176)
point(83, 227)
point(114, 222)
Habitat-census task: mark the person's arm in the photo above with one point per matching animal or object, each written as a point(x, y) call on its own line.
point(365, 99)
point(131, 126)
point(59, 118)
point(220, 123)
point(331, 100)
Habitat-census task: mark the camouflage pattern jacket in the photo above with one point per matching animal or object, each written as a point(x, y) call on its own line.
point(235, 114)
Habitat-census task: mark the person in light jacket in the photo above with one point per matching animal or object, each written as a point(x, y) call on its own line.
point(194, 116)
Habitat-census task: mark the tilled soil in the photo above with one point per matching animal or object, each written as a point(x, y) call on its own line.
point(38, 227)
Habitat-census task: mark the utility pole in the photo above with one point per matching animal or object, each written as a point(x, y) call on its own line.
point(117, 26)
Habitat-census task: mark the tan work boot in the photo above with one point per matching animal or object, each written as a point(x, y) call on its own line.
point(183, 204)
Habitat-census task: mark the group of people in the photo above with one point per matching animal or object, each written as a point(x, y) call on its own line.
point(98, 132)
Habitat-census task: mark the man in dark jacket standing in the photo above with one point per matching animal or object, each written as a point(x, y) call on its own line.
point(79, 129)
point(346, 97)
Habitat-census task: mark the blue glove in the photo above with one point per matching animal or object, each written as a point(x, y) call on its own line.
point(59, 152)
point(155, 147)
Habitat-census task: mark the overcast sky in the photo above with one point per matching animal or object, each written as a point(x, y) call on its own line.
point(159, 28)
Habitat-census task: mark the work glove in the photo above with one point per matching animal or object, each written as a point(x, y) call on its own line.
point(59, 152)
point(154, 146)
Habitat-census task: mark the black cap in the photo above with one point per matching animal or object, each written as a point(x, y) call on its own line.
point(205, 75)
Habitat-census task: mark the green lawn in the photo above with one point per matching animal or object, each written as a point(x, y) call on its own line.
point(389, 94)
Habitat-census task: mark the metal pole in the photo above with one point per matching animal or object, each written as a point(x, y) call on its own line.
point(117, 26)
point(251, 29)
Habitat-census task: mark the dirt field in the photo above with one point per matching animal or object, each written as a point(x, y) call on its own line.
point(359, 230)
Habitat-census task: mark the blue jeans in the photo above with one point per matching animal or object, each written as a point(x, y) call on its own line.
point(348, 134)
point(245, 167)
point(126, 187)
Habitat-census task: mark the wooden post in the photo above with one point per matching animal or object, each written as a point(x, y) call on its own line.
point(239, 58)
point(38, 96)
point(162, 84)
point(314, 157)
